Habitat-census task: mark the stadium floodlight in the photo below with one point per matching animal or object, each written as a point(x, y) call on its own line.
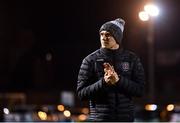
point(151, 9)
point(143, 16)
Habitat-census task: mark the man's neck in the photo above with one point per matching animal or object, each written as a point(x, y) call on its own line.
point(115, 47)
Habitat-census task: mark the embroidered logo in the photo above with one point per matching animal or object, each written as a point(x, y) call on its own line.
point(125, 66)
point(100, 60)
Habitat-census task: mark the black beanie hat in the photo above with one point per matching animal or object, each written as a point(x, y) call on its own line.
point(115, 27)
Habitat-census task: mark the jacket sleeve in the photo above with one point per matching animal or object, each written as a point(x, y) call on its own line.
point(135, 85)
point(86, 87)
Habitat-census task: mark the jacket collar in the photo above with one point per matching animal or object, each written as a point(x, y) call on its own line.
point(110, 51)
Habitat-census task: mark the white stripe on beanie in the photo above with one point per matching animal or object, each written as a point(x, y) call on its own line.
point(115, 22)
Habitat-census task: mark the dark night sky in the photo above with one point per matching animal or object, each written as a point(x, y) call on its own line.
point(68, 30)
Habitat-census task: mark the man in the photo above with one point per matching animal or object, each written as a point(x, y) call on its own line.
point(110, 77)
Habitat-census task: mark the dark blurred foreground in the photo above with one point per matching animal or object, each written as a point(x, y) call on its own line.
point(14, 108)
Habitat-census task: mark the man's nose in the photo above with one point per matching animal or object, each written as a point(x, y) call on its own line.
point(104, 37)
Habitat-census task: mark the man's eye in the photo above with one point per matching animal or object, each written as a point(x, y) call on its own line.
point(108, 35)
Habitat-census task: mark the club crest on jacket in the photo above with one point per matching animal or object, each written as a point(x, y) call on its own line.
point(125, 66)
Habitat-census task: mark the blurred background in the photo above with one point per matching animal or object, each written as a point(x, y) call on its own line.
point(42, 45)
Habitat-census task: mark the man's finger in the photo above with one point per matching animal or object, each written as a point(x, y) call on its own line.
point(108, 66)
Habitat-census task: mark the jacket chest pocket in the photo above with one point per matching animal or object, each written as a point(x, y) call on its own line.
point(99, 69)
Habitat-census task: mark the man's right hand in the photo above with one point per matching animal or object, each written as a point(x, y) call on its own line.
point(110, 76)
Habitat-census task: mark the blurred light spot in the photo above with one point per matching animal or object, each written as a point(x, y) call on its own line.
point(60, 107)
point(143, 16)
point(151, 107)
point(170, 107)
point(42, 115)
point(6, 111)
point(67, 113)
point(151, 9)
point(82, 117)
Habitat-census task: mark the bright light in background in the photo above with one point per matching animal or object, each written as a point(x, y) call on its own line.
point(170, 107)
point(60, 107)
point(6, 111)
point(82, 117)
point(151, 107)
point(151, 9)
point(67, 113)
point(143, 16)
point(42, 115)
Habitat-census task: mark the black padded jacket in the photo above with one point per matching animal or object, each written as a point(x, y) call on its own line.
point(111, 103)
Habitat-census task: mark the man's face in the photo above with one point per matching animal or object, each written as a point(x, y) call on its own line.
point(107, 40)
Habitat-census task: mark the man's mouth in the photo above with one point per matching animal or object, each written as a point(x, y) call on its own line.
point(106, 42)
